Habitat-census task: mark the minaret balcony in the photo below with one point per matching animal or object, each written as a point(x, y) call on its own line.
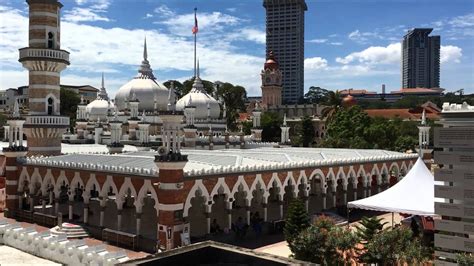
point(31, 54)
point(45, 121)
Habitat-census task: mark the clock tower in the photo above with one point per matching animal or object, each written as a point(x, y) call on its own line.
point(271, 83)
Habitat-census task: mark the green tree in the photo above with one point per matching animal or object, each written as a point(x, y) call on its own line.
point(234, 97)
point(296, 221)
point(307, 131)
point(333, 103)
point(271, 131)
point(316, 95)
point(324, 243)
point(395, 246)
point(465, 259)
point(178, 87)
point(368, 228)
point(69, 101)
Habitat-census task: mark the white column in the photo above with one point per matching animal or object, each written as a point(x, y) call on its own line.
point(101, 223)
point(43, 204)
point(229, 218)
point(334, 198)
point(208, 223)
point(281, 209)
point(139, 223)
point(248, 214)
point(56, 206)
point(86, 213)
point(119, 219)
point(345, 197)
point(324, 202)
point(70, 210)
point(355, 194)
point(265, 212)
point(21, 136)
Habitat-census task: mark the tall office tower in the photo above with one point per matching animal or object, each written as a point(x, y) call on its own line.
point(44, 60)
point(285, 37)
point(420, 59)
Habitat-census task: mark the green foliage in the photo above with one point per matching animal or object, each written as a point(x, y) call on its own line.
point(296, 220)
point(316, 95)
point(270, 122)
point(393, 246)
point(353, 128)
point(465, 259)
point(69, 101)
point(178, 88)
point(323, 243)
point(247, 127)
point(368, 228)
point(307, 131)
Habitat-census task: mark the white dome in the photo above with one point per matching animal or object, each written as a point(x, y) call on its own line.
point(145, 87)
point(201, 100)
point(146, 91)
point(98, 109)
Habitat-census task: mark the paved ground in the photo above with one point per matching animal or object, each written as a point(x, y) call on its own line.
point(11, 256)
point(282, 249)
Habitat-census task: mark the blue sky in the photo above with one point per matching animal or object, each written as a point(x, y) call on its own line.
point(349, 44)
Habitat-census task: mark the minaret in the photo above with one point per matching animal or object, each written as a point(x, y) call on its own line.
point(170, 190)
point(271, 82)
point(257, 129)
point(115, 134)
point(81, 119)
point(14, 151)
point(423, 136)
point(285, 131)
point(190, 129)
point(44, 60)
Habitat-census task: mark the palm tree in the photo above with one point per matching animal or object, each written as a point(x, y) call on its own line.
point(332, 102)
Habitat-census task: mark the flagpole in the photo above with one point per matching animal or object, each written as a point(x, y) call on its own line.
point(195, 40)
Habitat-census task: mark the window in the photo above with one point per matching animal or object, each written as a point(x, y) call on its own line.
point(50, 40)
point(50, 106)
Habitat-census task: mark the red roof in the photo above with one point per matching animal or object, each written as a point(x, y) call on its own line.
point(406, 114)
point(355, 92)
point(419, 90)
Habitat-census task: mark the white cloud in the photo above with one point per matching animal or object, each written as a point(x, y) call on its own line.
point(79, 14)
point(148, 15)
point(450, 53)
point(362, 37)
point(89, 10)
point(164, 11)
point(463, 21)
point(231, 9)
point(374, 55)
point(119, 51)
point(336, 43)
point(317, 41)
point(315, 63)
point(255, 35)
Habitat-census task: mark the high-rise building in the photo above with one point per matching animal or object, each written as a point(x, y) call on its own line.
point(285, 37)
point(420, 59)
point(44, 60)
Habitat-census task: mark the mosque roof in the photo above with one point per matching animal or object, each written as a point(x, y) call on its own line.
point(218, 162)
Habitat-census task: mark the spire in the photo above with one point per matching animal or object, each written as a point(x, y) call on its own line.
point(145, 51)
point(423, 118)
point(145, 71)
point(143, 116)
point(170, 106)
point(284, 120)
point(197, 85)
point(103, 92)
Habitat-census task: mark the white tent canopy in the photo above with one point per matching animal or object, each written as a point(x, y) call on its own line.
point(413, 194)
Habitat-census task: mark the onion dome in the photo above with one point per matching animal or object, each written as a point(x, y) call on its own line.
point(200, 100)
point(99, 108)
point(348, 101)
point(271, 62)
point(146, 87)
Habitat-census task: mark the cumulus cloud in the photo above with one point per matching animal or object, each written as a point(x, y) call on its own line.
point(450, 53)
point(88, 10)
point(165, 11)
point(315, 63)
point(119, 52)
point(255, 35)
point(463, 21)
point(374, 55)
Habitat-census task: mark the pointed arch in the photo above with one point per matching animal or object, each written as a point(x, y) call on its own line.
point(109, 182)
point(76, 180)
point(331, 177)
point(24, 176)
point(277, 181)
point(146, 187)
point(35, 178)
point(89, 185)
point(241, 181)
point(319, 174)
point(258, 180)
point(48, 179)
point(62, 178)
point(127, 184)
point(198, 186)
point(220, 183)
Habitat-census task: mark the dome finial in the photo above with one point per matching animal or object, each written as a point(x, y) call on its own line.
point(102, 85)
point(423, 117)
point(145, 70)
point(16, 109)
point(103, 92)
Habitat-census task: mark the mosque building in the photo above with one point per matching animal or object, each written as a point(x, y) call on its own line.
point(161, 199)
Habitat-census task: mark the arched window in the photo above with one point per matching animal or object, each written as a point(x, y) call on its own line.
point(50, 106)
point(50, 40)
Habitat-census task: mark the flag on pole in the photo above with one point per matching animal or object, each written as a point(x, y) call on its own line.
point(195, 28)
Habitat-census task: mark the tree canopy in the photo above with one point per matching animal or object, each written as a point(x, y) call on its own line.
point(271, 131)
point(353, 128)
point(69, 102)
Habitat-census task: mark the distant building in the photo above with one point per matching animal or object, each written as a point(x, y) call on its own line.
point(393, 96)
point(420, 59)
point(285, 37)
point(8, 96)
point(432, 112)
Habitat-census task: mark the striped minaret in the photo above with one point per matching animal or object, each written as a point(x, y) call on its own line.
point(44, 60)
